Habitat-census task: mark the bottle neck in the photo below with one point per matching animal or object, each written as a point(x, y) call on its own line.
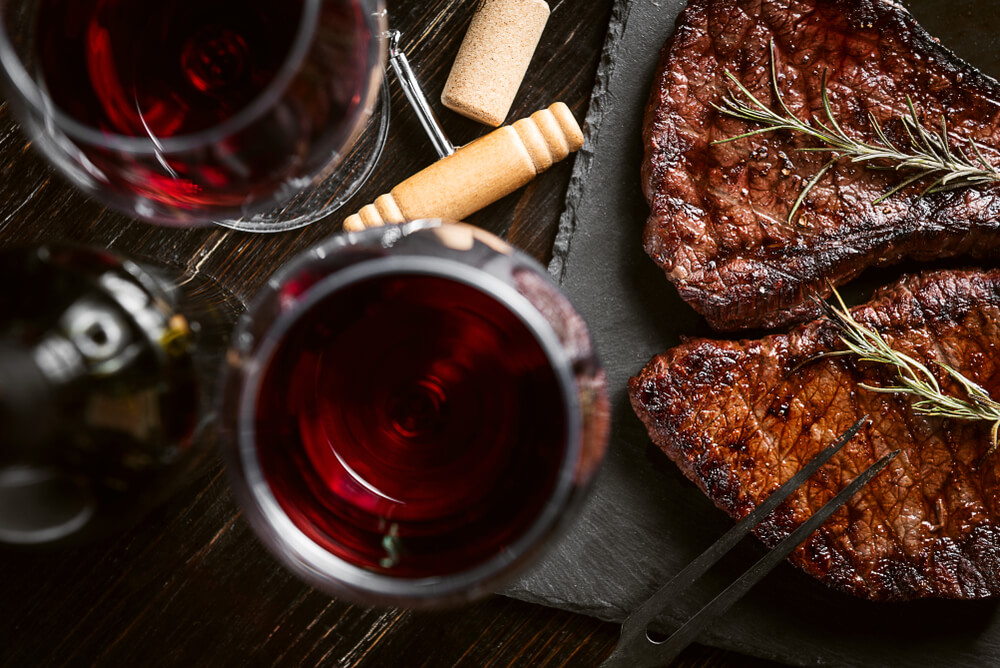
point(28, 410)
point(91, 341)
point(98, 395)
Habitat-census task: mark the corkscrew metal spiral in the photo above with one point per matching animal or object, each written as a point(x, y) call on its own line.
point(469, 178)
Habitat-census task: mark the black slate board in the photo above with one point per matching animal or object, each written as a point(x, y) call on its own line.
point(644, 521)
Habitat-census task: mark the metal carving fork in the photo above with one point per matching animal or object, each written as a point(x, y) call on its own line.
point(635, 648)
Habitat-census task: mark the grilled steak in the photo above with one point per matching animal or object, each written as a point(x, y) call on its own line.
point(741, 417)
point(718, 225)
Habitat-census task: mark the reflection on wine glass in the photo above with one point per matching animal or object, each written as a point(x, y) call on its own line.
point(410, 413)
point(187, 111)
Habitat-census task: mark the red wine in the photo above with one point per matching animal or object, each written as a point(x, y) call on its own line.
point(411, 424)
point(166, 69)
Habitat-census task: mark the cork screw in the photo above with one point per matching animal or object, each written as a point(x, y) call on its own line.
point(471, 177)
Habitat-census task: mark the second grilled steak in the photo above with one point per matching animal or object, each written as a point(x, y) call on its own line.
point(741, 417)
point(718, 225)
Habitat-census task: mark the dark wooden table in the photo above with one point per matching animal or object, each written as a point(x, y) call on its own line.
point(191, 585)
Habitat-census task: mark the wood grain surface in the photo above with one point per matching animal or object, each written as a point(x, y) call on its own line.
point(190, 585)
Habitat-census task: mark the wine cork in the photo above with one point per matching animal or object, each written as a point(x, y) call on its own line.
point(478, 174)
point(493, 58)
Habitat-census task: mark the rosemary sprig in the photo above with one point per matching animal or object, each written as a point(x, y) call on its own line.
point(928, 154)
point(914, 379)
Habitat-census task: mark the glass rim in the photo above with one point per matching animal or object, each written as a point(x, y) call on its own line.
point(35, 95)
point(332, 573)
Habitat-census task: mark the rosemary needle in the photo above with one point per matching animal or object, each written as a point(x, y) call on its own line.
point(914, 379)
point(928, 154)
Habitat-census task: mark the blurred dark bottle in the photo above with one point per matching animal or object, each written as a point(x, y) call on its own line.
point(99, 394)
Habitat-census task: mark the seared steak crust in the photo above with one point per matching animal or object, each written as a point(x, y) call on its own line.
point(741, 417)
point(718, 225)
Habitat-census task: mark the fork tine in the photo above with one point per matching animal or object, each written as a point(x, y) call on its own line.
point(633, 636)
point(637, 622)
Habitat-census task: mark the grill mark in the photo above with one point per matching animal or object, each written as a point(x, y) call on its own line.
point(718, 263)
point(882, 546)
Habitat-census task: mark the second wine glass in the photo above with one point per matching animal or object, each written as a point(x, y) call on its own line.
point(189, 111)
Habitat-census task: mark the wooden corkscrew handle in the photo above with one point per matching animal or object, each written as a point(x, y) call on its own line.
point(479, 173)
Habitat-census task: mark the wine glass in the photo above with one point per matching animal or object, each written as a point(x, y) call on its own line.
point(191, 111)
point(410, 414)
